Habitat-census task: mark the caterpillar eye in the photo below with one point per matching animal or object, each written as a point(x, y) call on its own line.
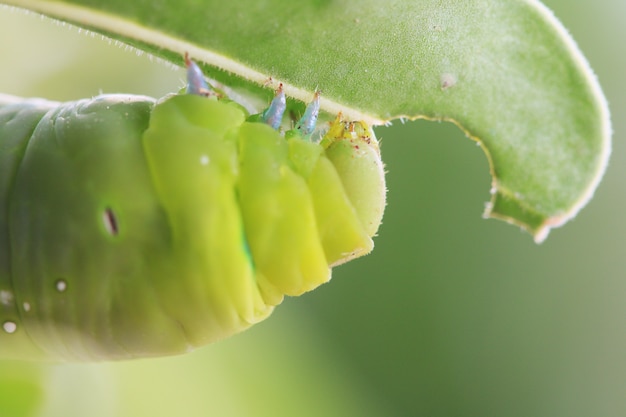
point(110, 222)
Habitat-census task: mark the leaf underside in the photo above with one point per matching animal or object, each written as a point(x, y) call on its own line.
point(506, 72)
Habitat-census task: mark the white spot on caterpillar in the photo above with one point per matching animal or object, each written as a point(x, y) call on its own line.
point(6, 297)
point(9, 326)
point(61, 285)
point(204, 160)
point(26, 306)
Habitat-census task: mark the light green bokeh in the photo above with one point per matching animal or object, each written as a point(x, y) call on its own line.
point(451, 315)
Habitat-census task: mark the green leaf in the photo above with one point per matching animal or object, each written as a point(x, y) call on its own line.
point(505, 71)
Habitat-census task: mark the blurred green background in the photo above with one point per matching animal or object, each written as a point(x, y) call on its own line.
point(452, 315)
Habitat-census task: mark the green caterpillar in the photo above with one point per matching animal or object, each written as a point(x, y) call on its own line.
point(133, 227)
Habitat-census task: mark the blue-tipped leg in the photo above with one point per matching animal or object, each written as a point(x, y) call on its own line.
point(306, 124)
point(273, 115)
point(196, 84)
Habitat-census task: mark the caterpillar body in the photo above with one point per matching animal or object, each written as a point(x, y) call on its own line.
point(134, 227)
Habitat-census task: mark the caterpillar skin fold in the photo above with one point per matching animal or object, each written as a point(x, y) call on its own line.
point(132, 227)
